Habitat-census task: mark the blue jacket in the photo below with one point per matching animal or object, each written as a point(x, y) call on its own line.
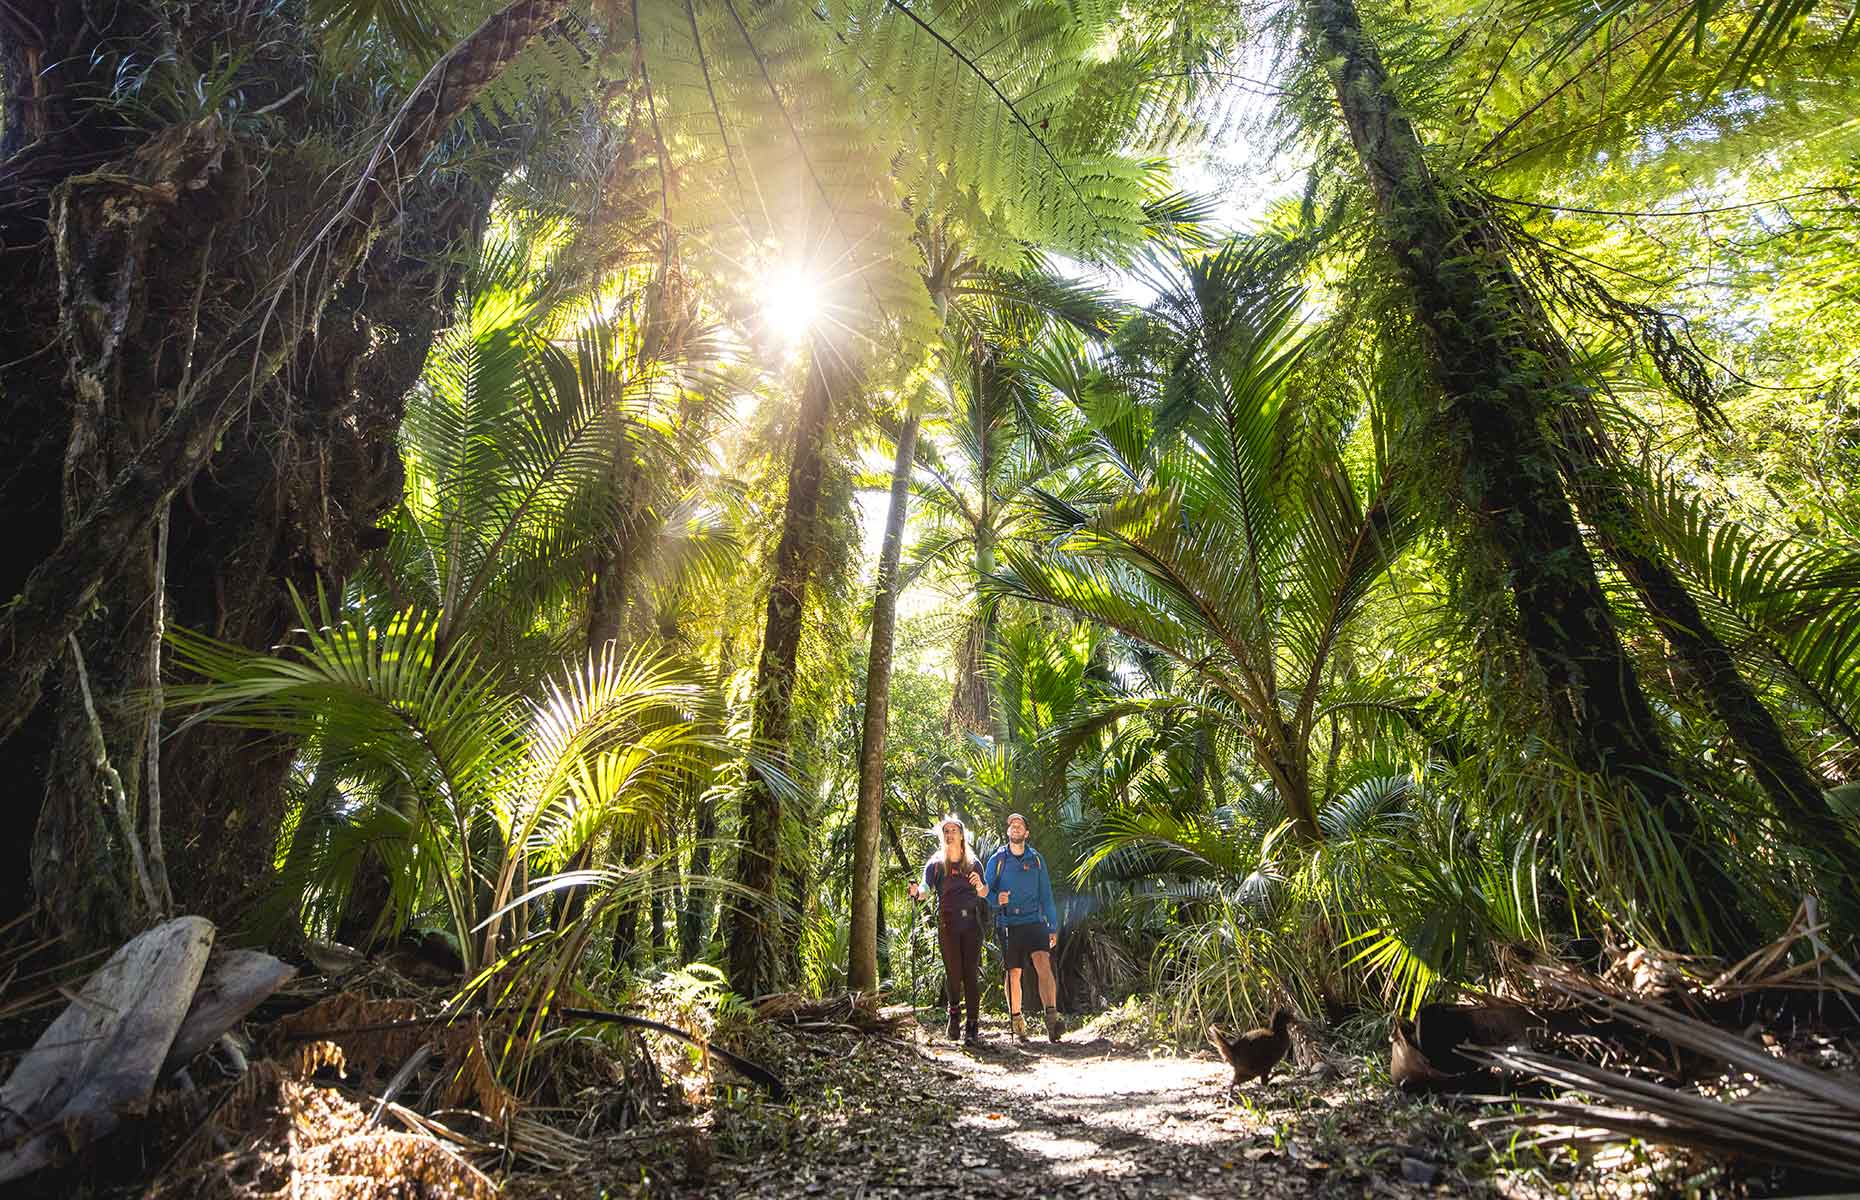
point(1029, 889)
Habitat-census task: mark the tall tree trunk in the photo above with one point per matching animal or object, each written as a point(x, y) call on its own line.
point(628, 849)
point(975, 704)
point(277, 510)
point(862, 970)
point(660, 883)
point(694, 916)
point(757, 954)
point(105, 219)
point(970, 705)
point(694, 919)
point(994, 704)
point(1478, 318)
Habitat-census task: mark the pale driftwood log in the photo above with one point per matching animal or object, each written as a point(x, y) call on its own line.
point(105, 1052)
point(234, 982)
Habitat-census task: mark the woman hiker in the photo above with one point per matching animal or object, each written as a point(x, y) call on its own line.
point(954, 876)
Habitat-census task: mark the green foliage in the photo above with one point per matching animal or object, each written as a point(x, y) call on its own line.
point(1742, 38)
point(1207, 612)
point(1233, 539)
point(972, 149)
point(484, 791)
point(1790, 607)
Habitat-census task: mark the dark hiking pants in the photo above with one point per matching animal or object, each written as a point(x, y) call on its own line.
point(961, 944)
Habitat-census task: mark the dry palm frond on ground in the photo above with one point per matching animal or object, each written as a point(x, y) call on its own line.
point(283, 1135)
point(1764, 1107)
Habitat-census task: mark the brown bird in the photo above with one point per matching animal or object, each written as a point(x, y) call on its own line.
point(430, 960)
point(1424, 1054)
point(1255, 1053)
point(1410, 1069)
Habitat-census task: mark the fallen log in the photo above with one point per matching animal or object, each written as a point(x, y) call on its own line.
point(103, 1054)
point(161, 999)
point(235, 982)
point(753, 1071)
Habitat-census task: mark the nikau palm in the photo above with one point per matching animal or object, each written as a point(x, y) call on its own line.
point(971, 493)
point(494, 792)
point(1240, 545)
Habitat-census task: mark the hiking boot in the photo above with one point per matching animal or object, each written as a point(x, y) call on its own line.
point(955, 1025)
point(972, 1034)
point(1054, 1026)
point(1020, 1026)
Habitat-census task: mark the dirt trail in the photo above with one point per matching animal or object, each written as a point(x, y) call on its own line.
point(1091, 1118)
point(1085, 1116)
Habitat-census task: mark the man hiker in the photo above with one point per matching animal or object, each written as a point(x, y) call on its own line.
point(1023, 893)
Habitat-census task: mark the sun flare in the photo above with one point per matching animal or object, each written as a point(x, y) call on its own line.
point(790, 303)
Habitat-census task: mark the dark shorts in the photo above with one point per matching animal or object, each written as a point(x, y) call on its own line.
point(1023, 942)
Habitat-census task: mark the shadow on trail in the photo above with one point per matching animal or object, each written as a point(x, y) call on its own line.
point(1007, 1049)
point(1090, 1116)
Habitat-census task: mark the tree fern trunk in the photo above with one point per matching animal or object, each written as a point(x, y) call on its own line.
point(759, 958)
point(863, 941)
point(1478, 320)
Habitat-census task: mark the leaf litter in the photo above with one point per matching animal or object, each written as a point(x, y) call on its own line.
point(876, 1116)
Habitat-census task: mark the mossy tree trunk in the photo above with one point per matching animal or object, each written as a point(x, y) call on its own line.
point(1500, 388)
point(758, 948)
point(1797, 796)
point(188, 281)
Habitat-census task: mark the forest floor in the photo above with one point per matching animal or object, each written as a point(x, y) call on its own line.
point(1092, 1116)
